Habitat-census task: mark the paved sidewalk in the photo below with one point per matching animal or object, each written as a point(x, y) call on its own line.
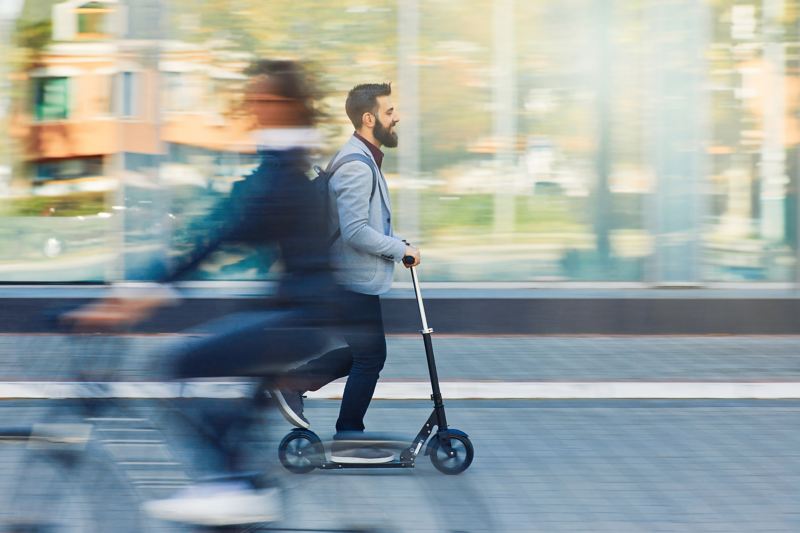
point(480, 367)
point(606, 466)
point(569, 359)
point(541, 466)
point(549, 466)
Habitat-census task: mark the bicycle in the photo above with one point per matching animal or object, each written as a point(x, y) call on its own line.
point(87, 462)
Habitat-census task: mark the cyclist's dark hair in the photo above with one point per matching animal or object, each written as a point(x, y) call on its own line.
point(288, 79)
point(364, 99)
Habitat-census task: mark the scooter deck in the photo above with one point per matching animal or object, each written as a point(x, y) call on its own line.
point(397, 463)
point(393, 442)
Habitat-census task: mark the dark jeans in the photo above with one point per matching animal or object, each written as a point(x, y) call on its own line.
point(362, 360)
point(259, 344)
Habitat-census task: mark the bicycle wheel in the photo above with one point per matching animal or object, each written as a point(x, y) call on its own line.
point(62, 490)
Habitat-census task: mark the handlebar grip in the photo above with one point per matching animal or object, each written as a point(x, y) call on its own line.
point(408, 259)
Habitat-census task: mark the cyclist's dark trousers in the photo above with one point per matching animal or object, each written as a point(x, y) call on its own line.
point(259, 344)
point(362, 360)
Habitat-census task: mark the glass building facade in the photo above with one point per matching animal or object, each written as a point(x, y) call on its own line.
point(646, 141)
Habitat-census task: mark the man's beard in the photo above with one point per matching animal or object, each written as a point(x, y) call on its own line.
point(384, 135)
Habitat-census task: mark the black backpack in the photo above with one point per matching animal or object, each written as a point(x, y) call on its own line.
point(323, 178)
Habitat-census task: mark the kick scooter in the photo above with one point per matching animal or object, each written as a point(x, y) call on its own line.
point(450, 450)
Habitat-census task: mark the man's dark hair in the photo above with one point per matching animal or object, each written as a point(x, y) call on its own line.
point(364, 99)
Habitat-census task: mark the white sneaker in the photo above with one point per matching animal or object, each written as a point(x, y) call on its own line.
point(218, 504)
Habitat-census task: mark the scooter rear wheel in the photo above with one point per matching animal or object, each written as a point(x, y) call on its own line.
point(299, 451)
point(457, 460)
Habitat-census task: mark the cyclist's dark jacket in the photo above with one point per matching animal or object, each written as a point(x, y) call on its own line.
point(275, 204)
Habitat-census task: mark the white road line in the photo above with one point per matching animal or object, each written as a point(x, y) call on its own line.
point(417, 390)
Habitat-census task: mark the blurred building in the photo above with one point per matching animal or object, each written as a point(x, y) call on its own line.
point(101, 93)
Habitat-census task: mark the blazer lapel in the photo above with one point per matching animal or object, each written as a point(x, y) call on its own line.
point(384, 190)
point(382, 185)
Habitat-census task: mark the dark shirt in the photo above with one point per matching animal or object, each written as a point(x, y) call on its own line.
point(376, 152)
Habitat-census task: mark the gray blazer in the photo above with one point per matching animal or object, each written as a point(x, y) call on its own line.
point(365, 253)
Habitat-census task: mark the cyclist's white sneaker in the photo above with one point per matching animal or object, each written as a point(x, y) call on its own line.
point(218, 504)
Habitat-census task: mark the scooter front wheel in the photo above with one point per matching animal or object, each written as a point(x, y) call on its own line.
point(300, 451)
point(456, 459)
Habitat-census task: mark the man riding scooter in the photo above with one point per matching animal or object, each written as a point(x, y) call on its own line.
point(364, 250)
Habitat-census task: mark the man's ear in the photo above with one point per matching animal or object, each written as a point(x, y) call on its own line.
point(368, 119)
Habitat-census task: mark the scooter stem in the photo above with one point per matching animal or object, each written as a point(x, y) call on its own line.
point(438, 404)
point(418, 294)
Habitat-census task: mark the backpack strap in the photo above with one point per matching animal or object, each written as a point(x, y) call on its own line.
point(331, 170)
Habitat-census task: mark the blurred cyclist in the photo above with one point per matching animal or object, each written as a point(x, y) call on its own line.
point(276, 204)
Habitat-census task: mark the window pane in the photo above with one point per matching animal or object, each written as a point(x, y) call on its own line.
point(513, 107)
point(129, 94)
point(92, 18)
point(751, 230)
point(52, 98)
point(208, 146)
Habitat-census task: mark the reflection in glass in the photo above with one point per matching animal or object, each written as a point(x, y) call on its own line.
point(643, 140)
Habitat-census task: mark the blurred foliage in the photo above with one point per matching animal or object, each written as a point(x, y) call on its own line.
point(35, 35)
point(451, 215)
point(77, 204)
